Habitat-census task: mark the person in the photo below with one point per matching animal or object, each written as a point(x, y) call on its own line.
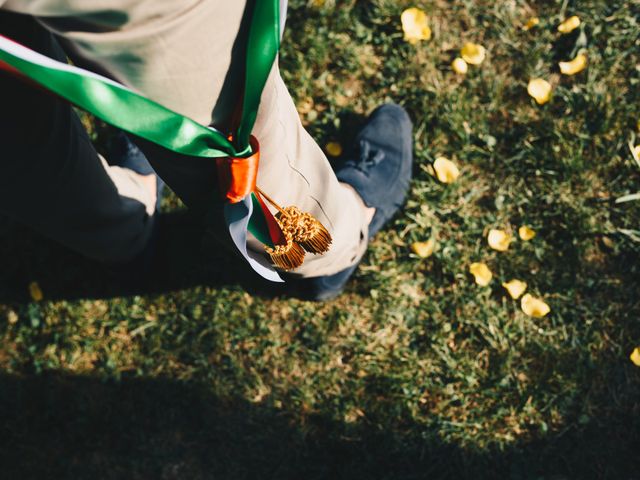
point(187, 56)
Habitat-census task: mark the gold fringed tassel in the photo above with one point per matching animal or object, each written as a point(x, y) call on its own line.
point(309, 232)
point(286, 257)
point(302, 231)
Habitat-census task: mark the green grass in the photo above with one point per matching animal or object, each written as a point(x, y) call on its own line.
point(415, 372)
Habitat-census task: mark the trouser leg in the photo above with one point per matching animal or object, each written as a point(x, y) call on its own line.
point(295, 171)
point(195, 65)
point(51, 177)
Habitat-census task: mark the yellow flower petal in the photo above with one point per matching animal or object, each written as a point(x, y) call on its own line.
point(424, 249)
point(540, 90)
point(499, 240)
point(532, 22)
point(526, 233)
point(635, 356)
point(12, 317)
point(35, 291)
point(574, 66)
point(534, 307)
point(481, 273)
point(515, 288)
point(459, 66)
point(608, 242)
point(569, 25)
point(334, 149)
point(415, 25)
point(636, 151)
point(473, 53)
point(446, 170)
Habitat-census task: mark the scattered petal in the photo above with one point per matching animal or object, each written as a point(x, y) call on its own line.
point(459, 66)
point(12, 317)
point(635, 356)
point(534, 307)
point(35, 291)
point(569, 25)
point(473, 53)
point(540, 90)
point(515, 288)
point(415, 25)
point(334, 149)
point(608, 242)
point(481, 273)
point(526, 233)
point(574, 66)
point(446, 170)
point(424, 249)
point(499, 240)
point(532, 22)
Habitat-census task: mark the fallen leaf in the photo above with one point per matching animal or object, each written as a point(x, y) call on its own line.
point(334, 149)
point(540, 90)
point(534, 307)
point(473, 53)
point(499, 240)
point(459, 66)
point(35, 291)
point(415, 25)
point(481, 273)
point(446, 170)
point(574, 66)
point(526, 233)
point(424, 249)
point(569, 25)
point(515, 288)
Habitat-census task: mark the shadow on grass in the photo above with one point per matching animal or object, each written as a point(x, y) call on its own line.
point(185, 257)
point(75, 427)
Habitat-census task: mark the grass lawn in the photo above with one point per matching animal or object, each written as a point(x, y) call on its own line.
point(416, 371)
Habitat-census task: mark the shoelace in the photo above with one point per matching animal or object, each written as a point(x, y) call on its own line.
point(369, 158)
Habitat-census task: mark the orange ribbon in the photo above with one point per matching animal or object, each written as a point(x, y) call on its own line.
point(237, 176)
